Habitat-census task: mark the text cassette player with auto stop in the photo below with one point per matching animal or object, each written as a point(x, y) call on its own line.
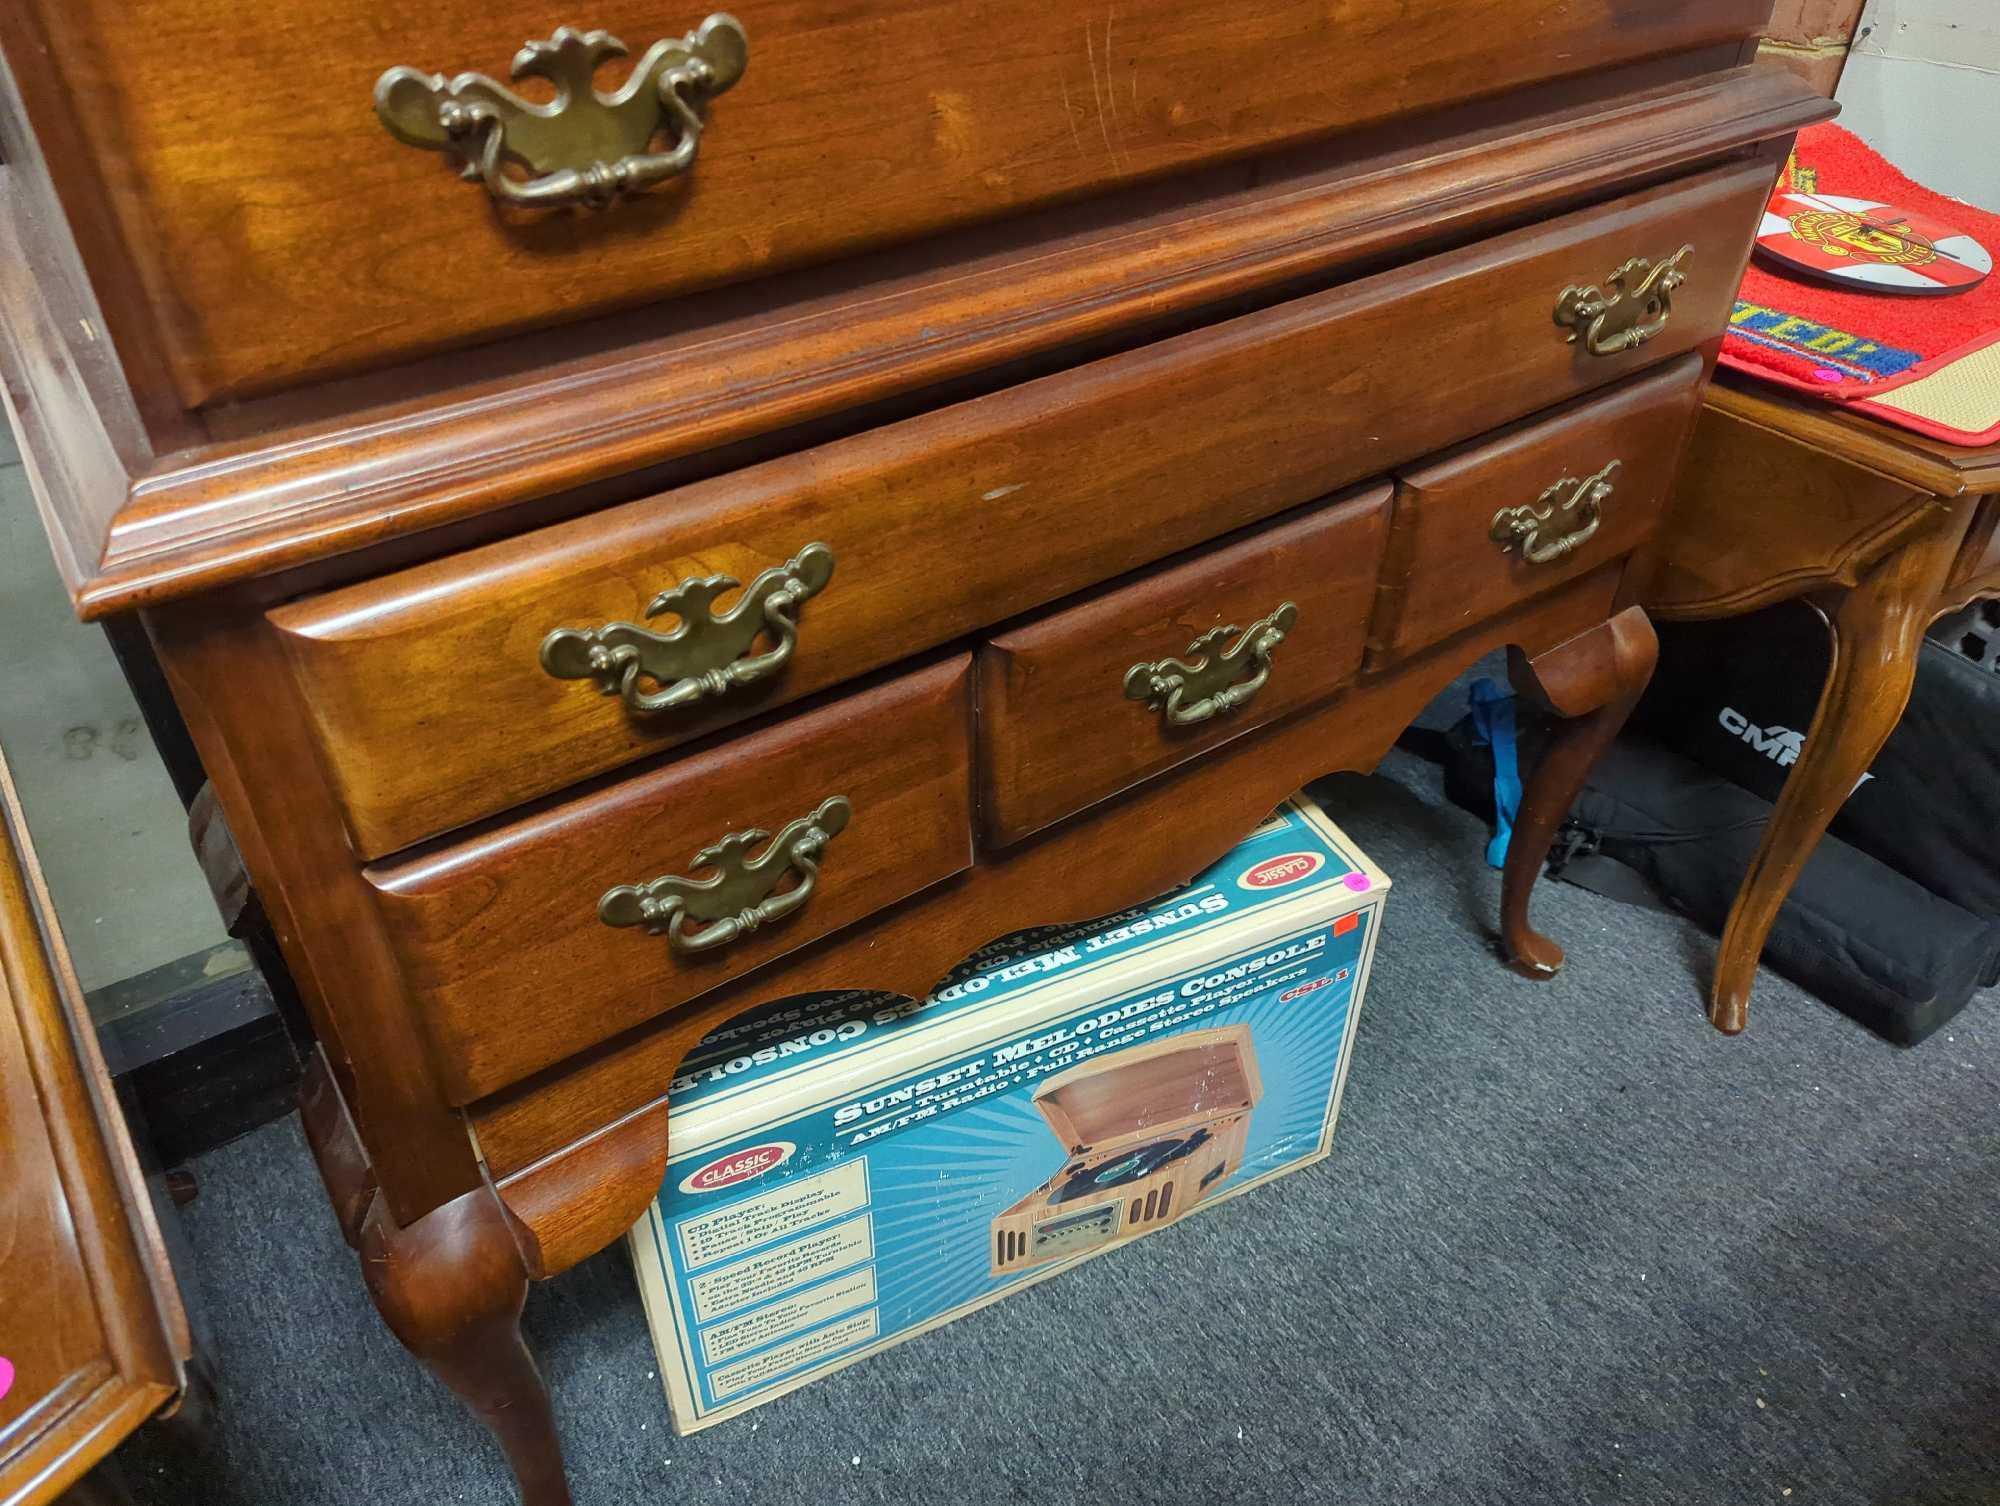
point(849, 1170)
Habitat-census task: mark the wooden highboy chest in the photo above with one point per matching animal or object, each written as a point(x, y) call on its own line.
point(702, 507)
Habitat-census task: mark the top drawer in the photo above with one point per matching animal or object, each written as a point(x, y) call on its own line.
point(431, 690)
point(284, 233)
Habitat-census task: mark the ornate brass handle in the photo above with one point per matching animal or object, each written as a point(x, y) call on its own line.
point(1634, 305)
point(739, 896)
point(582, 147)
point(706, 653)
point(1207, 684)
point(1581, 504)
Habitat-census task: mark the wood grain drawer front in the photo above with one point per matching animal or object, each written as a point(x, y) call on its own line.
point(1570, 492)
point(1082, 703)
point(432, 708)
point(292, 236)
point(512, 963)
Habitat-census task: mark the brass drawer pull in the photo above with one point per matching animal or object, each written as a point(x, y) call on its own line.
point(1207, 683)
point(1581, 506)
point(706, 653)
point(582, 147)
point(737, 898)
point(1637, 307)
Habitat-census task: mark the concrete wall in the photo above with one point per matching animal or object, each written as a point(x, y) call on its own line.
point(1922, 86)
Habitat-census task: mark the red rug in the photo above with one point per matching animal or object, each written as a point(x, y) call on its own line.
point(1930, 364)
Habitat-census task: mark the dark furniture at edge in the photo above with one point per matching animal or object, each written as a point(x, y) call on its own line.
point(93, 1338)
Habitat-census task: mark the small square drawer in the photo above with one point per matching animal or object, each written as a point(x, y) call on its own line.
point(1508, 517)
point(552, 931)
point(1083, 702)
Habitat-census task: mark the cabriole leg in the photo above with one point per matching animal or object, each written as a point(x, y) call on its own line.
point(451, 1286)
point(1877, 629)
point(1592, 681)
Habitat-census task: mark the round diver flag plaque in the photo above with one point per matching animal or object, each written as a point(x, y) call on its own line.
point(1868, 247)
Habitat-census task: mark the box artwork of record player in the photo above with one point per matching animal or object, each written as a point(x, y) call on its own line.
point(1153, 1129)
point(850, 1170)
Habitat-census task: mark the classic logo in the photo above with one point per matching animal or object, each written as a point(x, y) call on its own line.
point(1303, 989)
point(1289, 868)
point(738, 1166)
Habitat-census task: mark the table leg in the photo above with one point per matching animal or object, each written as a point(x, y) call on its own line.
point(1877, 628)
point(1592, 681)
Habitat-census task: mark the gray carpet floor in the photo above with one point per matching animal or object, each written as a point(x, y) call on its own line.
point(1571, 1246)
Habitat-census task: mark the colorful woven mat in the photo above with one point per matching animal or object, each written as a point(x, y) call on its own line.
point(1931, 364)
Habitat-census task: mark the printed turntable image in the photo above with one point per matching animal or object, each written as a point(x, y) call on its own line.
point(1150, 1132)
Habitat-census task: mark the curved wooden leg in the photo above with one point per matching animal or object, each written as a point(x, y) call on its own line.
point(1877, 630)
point(1592, 681)
point(450, 1286)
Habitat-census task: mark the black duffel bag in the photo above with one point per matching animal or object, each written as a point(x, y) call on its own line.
point(1876, 945)
point(1737, 695)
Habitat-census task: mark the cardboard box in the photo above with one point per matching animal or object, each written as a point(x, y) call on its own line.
point(850, 1170)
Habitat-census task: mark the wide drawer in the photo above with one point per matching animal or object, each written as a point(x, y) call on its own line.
point(1516, 514)
point(291, 235)
point(428, 695)
point(1079, 704)
point(549, 933)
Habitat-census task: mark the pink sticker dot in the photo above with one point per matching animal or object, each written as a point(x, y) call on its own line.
point(1825, 374)
point(1356, 881)
point(6, 1375)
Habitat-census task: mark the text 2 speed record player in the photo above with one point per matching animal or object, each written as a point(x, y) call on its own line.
point(1150, 1131)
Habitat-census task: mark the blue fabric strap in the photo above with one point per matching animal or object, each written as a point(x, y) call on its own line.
point(1493, 722)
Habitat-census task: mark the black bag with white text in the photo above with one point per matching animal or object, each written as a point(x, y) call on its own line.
point(1737, 695)
point(1879, 947)
point(1897, 926)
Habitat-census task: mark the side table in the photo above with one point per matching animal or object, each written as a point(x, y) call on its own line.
point(1884, 530)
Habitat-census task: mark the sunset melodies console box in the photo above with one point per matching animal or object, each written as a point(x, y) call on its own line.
point(849, 1170)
